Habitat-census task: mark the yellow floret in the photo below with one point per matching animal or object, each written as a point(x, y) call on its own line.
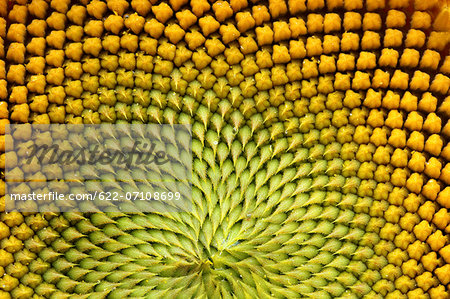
point(361, 81)
point(16, 33)
point(415, 39)
point(345, 62)
point(352, 21)
point(244, 21)
point(214, 46)
point(399, 80)
point(394, 119)
point(208, 25)
point(366, 60)
point(432, 123)
point(415, 183)
point(56, 21)
point(445, 174)
point(392, 38)
point(16, 74)
point(420, 81)
point(434, 144)
point(118, 6)
point(397, 138)
point(381, 80)
point(222, 10)
point(440, 84)
point(371, 21)
point(20, 113)
point(162, 12)
point(200, 6)
point(431, 189)
point(330, 44)
point(38, 8)
point(420, 20)
point(76, 14)
point(277, 8)
point(443, 273)
point(342, 82)
point(56, 39)
point(113, 23)
point(37, 28)
point(443, 198)
point(375, 118)
point(194, 39)
point(327, 64)
point(135, 22)
point(229, 33)
point(315, 23)
point(185, 19)
point(281, 31)
point(16, 53)
point(297, 27)
point(247, 45)
point(430, 59)
point(389, 57)
point(174, 33)
point(177, 4)
point(423, 230)
point(416, 141)
point(314, 46)
point(309, 68)
point(370, 40)
point(261, 14)
point(410, 58)
point(331, 22)
point(395, 19)
point(74, 33)
point(437, 40)
point(349, 41)
point(437, 240)
point(264, 35)
point(96, 8)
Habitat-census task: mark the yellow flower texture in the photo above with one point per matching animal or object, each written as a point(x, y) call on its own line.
point(320, 146)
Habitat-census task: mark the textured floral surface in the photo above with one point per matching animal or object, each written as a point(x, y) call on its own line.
point(320, 143)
